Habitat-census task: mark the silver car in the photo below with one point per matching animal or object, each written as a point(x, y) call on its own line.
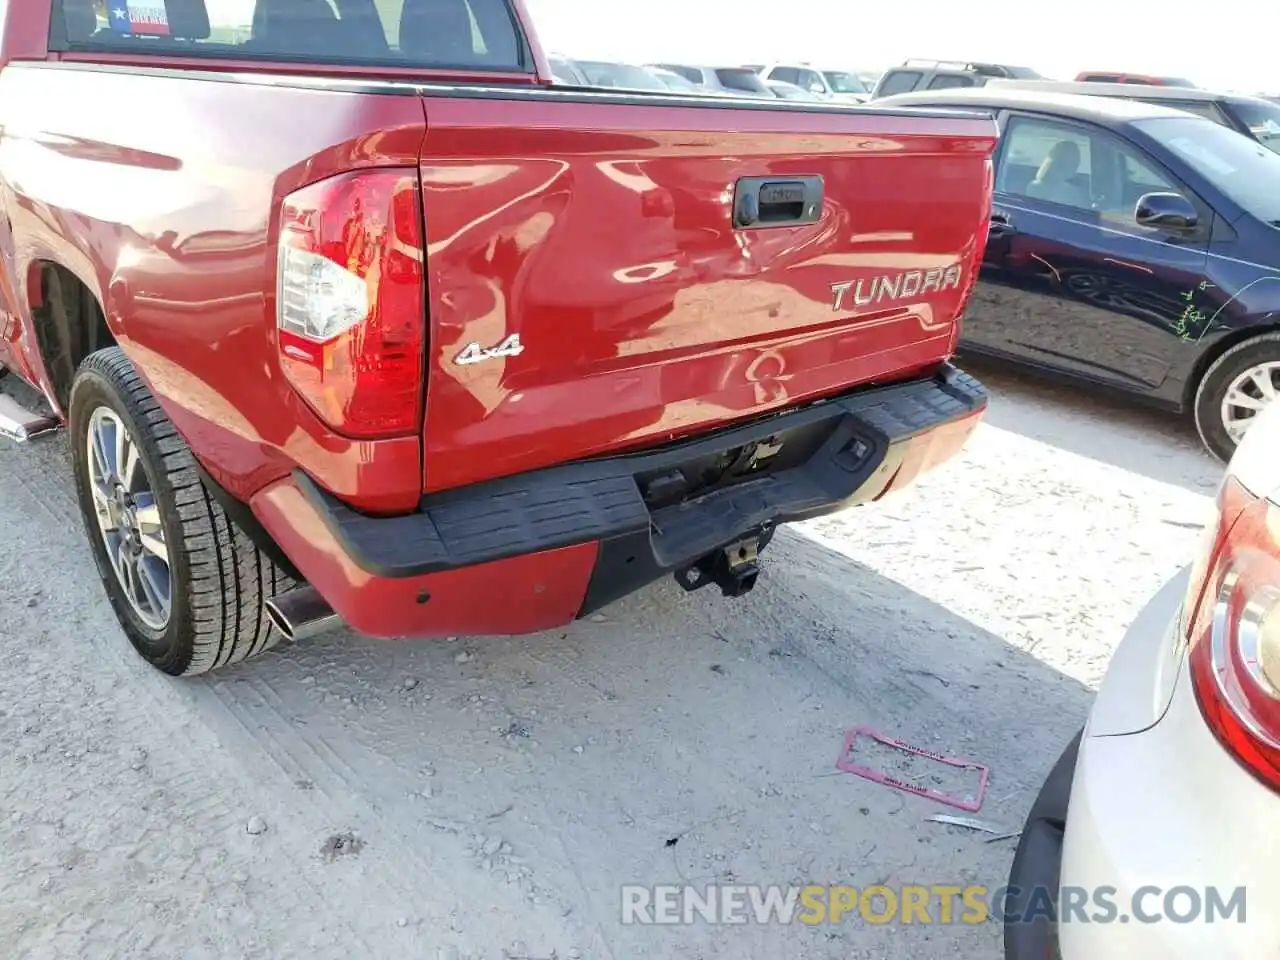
point(726, 81)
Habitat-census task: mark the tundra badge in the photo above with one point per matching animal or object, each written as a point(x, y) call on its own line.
point(474, 353)
point(895, 287)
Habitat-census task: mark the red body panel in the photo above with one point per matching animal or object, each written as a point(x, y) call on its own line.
point(171, 225)
point(603, 236)
point(533, 592)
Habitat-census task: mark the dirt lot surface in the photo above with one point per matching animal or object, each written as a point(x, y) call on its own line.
point(487, 797)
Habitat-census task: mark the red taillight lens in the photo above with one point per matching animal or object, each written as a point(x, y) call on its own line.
point(350, 311)
point(1232, 619)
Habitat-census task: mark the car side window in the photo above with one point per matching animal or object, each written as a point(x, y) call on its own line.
point(899, 81)
point(1047, 161)
point(1134, 178)
point(950, 81)
point(785, 74)
point(1089, 170)
point(808, 79)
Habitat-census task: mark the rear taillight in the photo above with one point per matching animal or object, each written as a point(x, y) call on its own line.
point(1232, 623)
point(350, 313)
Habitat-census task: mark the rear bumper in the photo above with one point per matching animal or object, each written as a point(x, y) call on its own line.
point(538, 550)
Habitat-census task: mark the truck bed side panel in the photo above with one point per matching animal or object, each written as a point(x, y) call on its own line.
point(160, 191)
point(601, 233)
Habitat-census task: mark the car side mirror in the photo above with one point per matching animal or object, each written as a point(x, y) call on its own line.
point(816, 87)
point(1166, 211)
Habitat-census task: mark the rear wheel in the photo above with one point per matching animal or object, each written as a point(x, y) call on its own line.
point(1238, 386)
point(187, 586)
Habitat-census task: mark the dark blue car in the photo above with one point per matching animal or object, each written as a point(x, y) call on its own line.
point(1133, 247)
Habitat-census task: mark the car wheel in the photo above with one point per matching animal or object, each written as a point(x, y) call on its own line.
point(1234, 390)
point(187, 586)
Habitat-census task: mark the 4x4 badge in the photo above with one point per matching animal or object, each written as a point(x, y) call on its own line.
point(474, 353)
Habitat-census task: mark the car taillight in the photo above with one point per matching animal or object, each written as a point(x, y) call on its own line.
point(350, 311)
point(1232, 622)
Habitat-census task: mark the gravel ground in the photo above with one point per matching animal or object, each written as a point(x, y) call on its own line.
point(488, 797)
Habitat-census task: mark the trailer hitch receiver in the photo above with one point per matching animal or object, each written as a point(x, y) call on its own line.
point(734, 569)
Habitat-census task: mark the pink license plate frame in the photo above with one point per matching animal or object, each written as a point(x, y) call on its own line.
point(843, 763)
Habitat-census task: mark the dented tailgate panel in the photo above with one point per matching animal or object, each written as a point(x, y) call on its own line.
point(598, 279)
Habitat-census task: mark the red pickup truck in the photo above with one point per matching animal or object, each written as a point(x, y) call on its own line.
point(352, 316)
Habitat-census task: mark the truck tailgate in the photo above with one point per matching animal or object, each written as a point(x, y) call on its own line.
point(593, 285)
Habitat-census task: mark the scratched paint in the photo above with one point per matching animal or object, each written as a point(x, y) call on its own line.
point(1194, 319)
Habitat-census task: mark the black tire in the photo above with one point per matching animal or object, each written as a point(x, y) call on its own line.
point(1213, 386)
point(219, 580)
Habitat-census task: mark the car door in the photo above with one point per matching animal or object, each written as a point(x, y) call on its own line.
point(1070, 280)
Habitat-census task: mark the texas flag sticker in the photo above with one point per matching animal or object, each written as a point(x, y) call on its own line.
point(139, 16)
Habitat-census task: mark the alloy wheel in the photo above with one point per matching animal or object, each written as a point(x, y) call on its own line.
point(1248, 395)
point(129, 518)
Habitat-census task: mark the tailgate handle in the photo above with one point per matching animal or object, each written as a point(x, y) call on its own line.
point(761, 202)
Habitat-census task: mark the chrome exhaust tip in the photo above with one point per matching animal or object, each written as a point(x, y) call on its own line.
point(19, 424)
point(301, 613)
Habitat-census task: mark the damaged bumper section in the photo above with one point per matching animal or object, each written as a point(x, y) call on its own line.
point(538, 550)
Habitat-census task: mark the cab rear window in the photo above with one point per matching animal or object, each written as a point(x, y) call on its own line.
point(475, 34)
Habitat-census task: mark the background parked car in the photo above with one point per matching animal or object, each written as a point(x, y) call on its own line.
point(1255, 117)
point(825, 84)
point(943, 75)
point(619, 76)
point(675, 82)
point(563, 70)
point(731, 81)
point(1134, 247)
point(1110, 76)
point(789, 91)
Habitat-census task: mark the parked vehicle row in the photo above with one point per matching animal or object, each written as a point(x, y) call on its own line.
point(840, 86)
point(1141, 79)
point(798, 82)
point(1255, 117)
point(918, 74)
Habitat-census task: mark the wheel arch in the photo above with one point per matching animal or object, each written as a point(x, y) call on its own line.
point(68, 323)
point(1220, 346)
